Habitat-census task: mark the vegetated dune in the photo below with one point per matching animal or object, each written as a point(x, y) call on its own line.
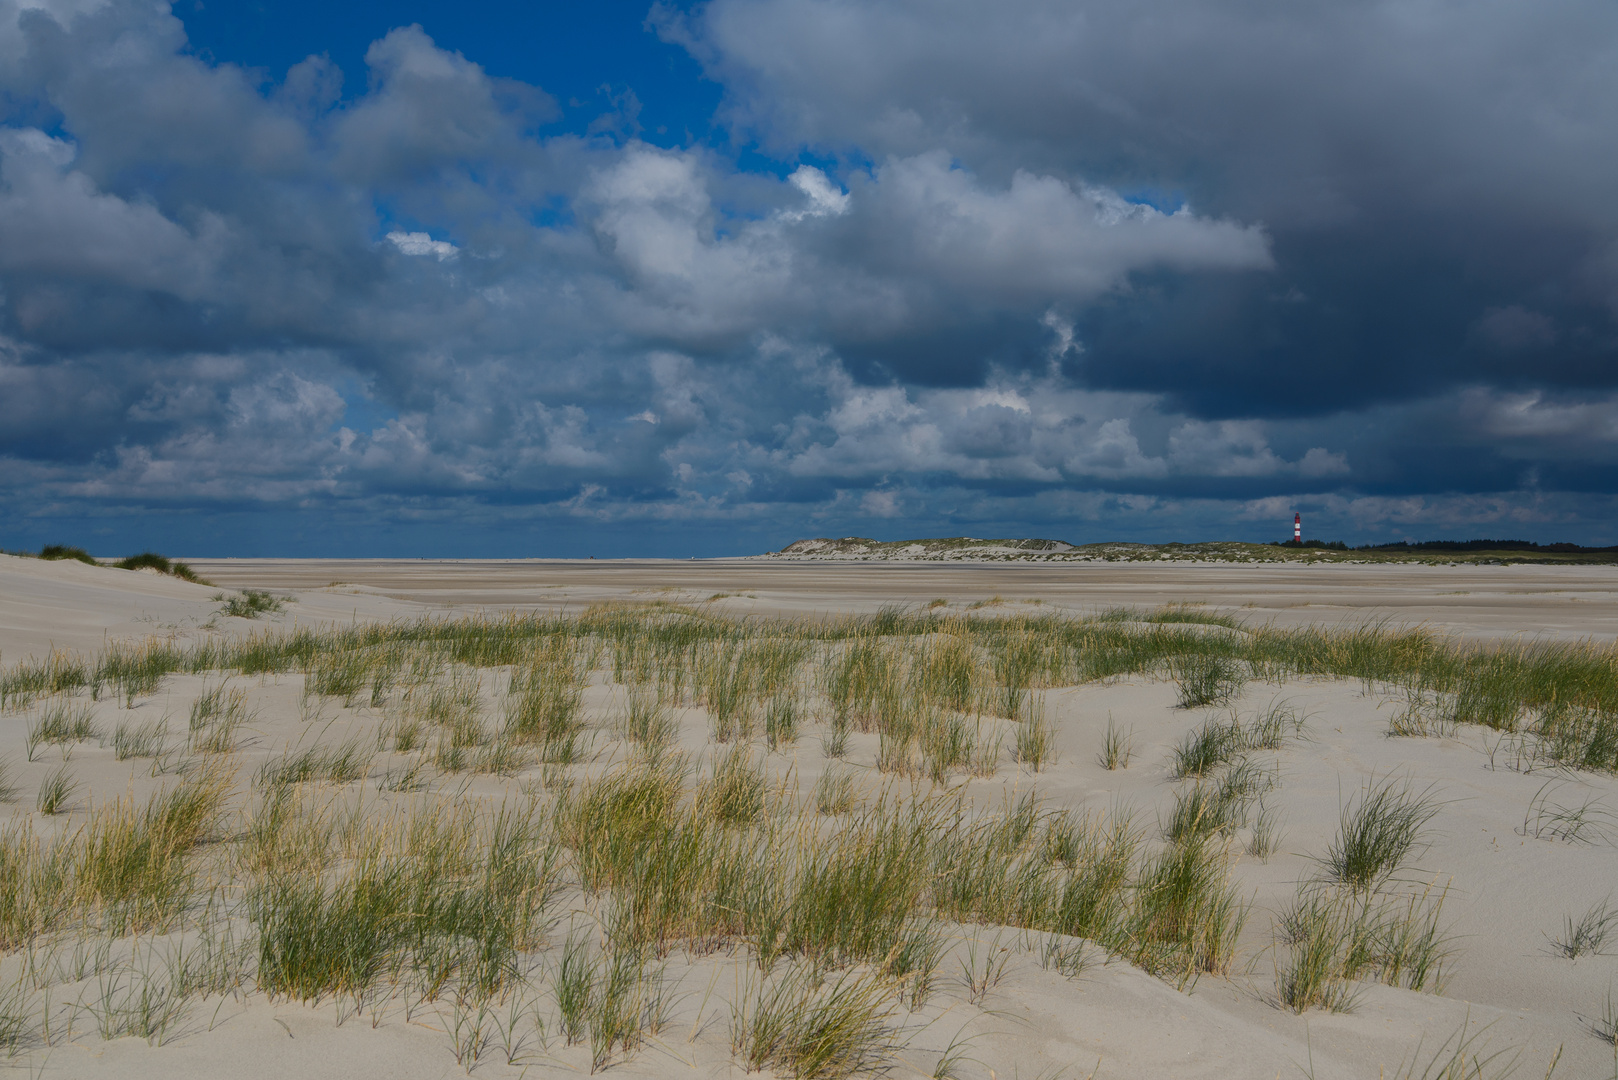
point(46, 605)
point(952, 548)
point(656, 839)
point(1033, 550)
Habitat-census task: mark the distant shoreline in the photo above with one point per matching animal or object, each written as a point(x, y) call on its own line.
point(972, 549)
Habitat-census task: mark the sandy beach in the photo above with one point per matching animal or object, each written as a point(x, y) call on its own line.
point(1514, 851)
point(70, 605)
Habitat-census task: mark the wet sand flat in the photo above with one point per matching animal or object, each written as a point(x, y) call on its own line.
point(1472, 601)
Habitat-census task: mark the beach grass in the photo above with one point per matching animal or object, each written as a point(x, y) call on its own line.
point(812, 1030)
point(841, 897)
point(1588, 934)
point(250, 603)
point(1379, 830)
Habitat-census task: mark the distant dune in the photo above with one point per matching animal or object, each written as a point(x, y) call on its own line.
point(957, 547)
point(974, 549)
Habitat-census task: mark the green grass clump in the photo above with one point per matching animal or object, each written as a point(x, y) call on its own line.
point(127, 868)
point(342, 672)
point(574, 985)
point(141, 668)
point(1170, 613)
point(250, 603)
point(58, 673)
point(1266, 834)
point(333, 764)
point(812, 1030)
point(1332, 935)
point(454, 905)
point(1566, 695)
point(56, 791)
point(461, 743)
point(130, 1004)
point(1378, 832)
point(735, 794)
point(502, 757)
point(1206, 678)
point(63, 551)
point(947, 743)
point(733, 677)
point(1207, 748)
point(1217, 804)
point(862, 681)
point(60, 723)
point(947, 672)
point(144, 740)
point(1035, 743)
point(545, 697)
point(1321, 935)
point(1116, 748)
point(853, 892)
point(151, 560)
point(608, 822)
point(287, 834)
point(1186, 917)
point(648, 721)
point(615, 1000)
point(1269, 729)
point(1605, 1025)
point(1579, 738)
point(16, 1016)
point(1587, 936)
point(132, 862)
point(781, 722)
point(834, 792)
point(216, 715)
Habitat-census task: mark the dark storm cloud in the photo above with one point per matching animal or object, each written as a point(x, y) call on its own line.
point(1421, 166)
point(1080, 263)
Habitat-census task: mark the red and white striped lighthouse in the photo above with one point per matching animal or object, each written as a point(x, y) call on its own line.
point(1297, 528)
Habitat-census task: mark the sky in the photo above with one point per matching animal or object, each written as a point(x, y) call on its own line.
point(699, 279)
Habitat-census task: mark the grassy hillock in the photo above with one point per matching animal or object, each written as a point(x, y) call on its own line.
point(146, 560)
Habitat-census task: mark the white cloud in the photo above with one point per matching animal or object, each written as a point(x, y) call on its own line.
point(824, 197)
point(915, 241)
point(1319, 461)
point(1031, 429)
point(420, 243)
point(880, 504)
point(56, 222)
point(1114, 453)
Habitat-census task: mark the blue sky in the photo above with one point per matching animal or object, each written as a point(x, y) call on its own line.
point(581, 54)
point(701, 279)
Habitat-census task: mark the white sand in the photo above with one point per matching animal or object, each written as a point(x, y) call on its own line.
point(1508, 893)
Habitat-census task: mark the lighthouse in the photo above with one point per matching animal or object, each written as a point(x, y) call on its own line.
point(1297, 528)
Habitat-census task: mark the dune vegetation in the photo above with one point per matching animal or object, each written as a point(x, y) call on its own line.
point(363, 871)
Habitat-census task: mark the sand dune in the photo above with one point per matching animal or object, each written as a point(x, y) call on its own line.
point(1505, 864)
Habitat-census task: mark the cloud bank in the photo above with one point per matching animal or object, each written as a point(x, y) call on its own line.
point(1094, 270)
